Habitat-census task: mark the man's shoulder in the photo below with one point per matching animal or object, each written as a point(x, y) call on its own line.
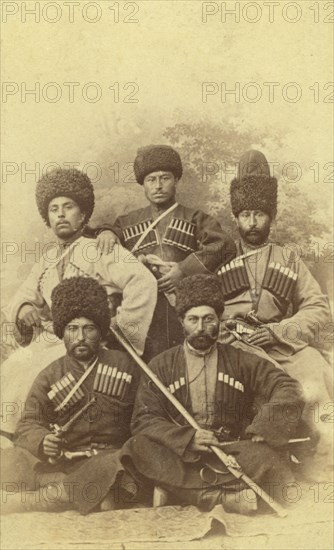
point(114, 356)
point(190, 212)
point(237, 355)
point(228, 349)
point(134, 216)
point(53, 370)
point(167, 356)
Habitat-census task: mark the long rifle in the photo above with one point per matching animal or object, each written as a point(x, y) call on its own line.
point(229, 461)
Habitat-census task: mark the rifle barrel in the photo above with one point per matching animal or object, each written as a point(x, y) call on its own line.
point(236, 470)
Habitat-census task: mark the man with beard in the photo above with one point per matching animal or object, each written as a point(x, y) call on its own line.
point(172, 240)
point(82, 467)
point(216, 383)
point(65, 200)
point(272, 302)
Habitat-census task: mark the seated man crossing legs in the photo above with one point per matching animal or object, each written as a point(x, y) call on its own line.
point(69, 443)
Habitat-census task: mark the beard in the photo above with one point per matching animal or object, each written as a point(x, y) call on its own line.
point(203, 340)
point(83, 352)
point(255, 237)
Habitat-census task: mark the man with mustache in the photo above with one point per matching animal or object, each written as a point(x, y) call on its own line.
point(65, 200)
point(216, 383)
point(272, 302)
point(172, 240)
point(82, 467)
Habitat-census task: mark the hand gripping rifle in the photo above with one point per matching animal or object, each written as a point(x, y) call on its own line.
point(59, 430)
point(229, 461)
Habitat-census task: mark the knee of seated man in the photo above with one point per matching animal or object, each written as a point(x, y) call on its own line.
point(17, 466)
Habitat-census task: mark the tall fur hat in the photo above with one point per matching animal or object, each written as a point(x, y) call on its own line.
point(253, 188)
point(79, 297)
point(65, 183)
point(199, 290)
point(157, 157)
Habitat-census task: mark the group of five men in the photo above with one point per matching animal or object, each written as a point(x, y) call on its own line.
point(211, 316)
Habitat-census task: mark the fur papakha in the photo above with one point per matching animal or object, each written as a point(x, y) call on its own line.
point(79, 297)
point(253, 188)
point(199, 290)
point(65, 183)
point(153, 158)
point(254, 193)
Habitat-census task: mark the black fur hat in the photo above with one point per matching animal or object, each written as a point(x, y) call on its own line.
point(79, 297)
point(157, 157)
point(253, 188)
point(199, 290)
point(65, 183)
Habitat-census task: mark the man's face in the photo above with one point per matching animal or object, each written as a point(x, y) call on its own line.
point(82, 339)
point(254, 226)
point(65, 217)
point(160, 187)
point(201, 327)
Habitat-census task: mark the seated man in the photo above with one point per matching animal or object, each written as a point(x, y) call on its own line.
point(91, 388)
point(65, 200)
point(216, 383)
point(272, 302)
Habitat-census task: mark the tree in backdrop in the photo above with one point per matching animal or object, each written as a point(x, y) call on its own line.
point(211, 153)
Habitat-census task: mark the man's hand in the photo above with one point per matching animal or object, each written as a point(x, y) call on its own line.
point(29, 317)
point(52, 445)
point(261, 337)
point(202, 440)
point(168, 281)
point(106, 241)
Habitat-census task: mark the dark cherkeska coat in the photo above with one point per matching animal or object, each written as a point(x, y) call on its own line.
point(187, 236)
point(162, 436)
point(105, 423)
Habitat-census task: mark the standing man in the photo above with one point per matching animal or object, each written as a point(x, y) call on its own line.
point(216, 383)
point(65, 200)
point(93, 389)
point(172, 240)
point(271, 299)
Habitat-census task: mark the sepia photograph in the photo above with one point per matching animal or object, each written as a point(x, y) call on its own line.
point(167, 295)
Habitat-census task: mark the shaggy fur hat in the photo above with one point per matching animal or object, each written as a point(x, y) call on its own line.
point(65, 183)
point(253, 188)
point(79, 297)
point(199, 290)
point(157, 157)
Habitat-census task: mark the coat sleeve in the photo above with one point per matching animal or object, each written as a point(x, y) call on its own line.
point(36, 417)
point(139, 289)
point(117, 229)
point(277, 419)
point(215, 247)
point(151, 418)
point(310, 313)
point(93, 232)
point(28, 293)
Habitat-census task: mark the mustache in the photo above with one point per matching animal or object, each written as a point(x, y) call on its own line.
point(80, 345)
point(203, 335)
